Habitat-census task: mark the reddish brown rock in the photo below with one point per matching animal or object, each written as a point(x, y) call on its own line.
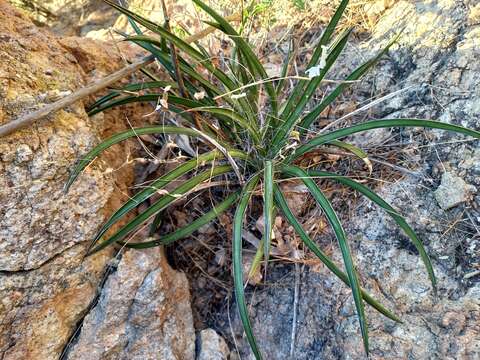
point(46, 288)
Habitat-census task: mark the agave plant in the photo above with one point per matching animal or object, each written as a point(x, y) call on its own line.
point(256, 135)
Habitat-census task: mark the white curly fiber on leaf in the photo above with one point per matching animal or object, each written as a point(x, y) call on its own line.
point(315, 70)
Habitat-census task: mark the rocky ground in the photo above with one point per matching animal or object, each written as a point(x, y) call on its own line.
point(436, 57)
point(139, 308)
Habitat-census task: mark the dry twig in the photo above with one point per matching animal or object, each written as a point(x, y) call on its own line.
point(28, 119)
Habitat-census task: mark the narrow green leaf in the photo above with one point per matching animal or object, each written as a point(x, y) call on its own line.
point(286, 65)
point(239, 119)
point(377, 124)
point(209, 86)
point(332, 218)
point(182, 45)
point(179, 43)
point(131, 88)
point(119, 137)
point(328, 32)
point(156, 223)
point(189, 105)
point(161, 204)
point(151, 97)
point(390, 210)
point(324, 40)
point(281, 135)
point(238, 265)
point(149, 74)
point(160, 54)
point(308, 119)
point(349, 147)
point(160, 183)
point(190, 228)
point(202, 49)
point(229, 83)
point(244, 76)
point(355, 150)
point(252, 60)
point(324, 258)
point(132, 23)
point(268, 179)
point(164, 59)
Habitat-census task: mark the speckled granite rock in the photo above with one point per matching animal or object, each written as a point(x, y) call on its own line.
point(46, 287)
point(452, 191)
point(143, 313)
point(211, 346)
point(437, 55)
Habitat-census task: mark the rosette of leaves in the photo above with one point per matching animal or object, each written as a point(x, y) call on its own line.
point(256, 133)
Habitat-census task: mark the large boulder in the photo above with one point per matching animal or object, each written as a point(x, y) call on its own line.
point(46, 285)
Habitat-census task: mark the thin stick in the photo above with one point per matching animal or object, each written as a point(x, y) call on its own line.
point(74, 97)
point(366, 107)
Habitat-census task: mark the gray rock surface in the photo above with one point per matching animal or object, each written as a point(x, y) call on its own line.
point(211, 346)
point(437, 55)
point(452, 191)
point(143, 313)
